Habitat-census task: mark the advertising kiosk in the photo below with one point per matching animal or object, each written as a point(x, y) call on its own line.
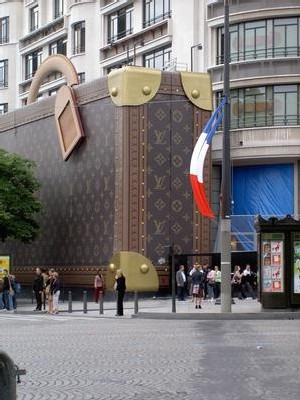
point(279, 262)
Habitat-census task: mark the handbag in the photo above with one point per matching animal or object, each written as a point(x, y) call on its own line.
point(11, 290)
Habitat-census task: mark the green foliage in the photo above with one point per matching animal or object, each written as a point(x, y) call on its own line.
point(18, 204)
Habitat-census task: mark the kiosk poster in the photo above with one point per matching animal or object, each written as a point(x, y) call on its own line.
point(4, 264)
point(272, 264)
point(297, 266)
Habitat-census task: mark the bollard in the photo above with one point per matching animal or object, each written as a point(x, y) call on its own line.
point(70, 302)
point(136, 302)
point(7, 378)
point(85, 302)
point(101, 303)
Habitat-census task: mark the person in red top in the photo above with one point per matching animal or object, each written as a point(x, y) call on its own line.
point(98, 285)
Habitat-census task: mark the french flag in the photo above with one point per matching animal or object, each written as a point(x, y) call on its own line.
point(198, 158)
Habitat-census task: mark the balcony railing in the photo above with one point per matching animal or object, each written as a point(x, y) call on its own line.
point(156, 18)
point(119, 35)
point(255, 54)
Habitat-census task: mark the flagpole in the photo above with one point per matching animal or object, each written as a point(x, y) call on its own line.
point(225, 220)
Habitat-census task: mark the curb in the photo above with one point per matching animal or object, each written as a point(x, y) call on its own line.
point(219, 316)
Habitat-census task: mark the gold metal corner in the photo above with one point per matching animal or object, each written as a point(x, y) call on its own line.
point(139, 271)
point(133, 86)
point(197, 87)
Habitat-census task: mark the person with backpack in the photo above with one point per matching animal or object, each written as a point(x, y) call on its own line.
point(198, 285)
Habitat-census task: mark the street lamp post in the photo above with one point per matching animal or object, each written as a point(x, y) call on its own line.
point(199, 47)
point(226, 177)
point(135, 44)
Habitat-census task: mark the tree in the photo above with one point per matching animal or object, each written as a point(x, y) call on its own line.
point(18, 204)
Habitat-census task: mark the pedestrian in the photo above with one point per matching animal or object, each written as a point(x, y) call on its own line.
point(211, 281)
point(217, 282)
point(198, 285)
point(16, 288)
point(55, 292)
point(8, 291)
point(237, 283)
point(49, 291)
point(181, 282)
point(1, 295)
point(247, 282)
point(38, 289)
point(120, 287)
point(191, 270)
point(98, 285)
point(205, 271)
point(45, 276)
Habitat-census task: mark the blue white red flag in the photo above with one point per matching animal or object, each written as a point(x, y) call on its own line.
point(198, 158)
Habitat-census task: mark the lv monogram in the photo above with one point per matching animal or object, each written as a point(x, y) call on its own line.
point(160, 182)
point(160, 137)
point(159, 227)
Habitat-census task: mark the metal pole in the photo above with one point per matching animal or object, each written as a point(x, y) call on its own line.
point(173, 280)
point(85, 302)
point(226, 177)
point(192, 58)
point(70, 302)
point(134, 53)
point(101, 303)
point(136, 302)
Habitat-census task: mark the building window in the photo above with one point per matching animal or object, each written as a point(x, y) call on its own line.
point(158, 58)
point(265, 106)
point(58, 8)
point(271, 38)
point(79, 37)
point(120, 24)
point(34, 18)
point(4, 30)
point(32, 62)
point(3, 73)
point(3, 108)
point(81, 77)
point(58, 47)
point(156, 11)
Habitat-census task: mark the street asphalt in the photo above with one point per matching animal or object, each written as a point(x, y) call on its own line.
point(93, 356)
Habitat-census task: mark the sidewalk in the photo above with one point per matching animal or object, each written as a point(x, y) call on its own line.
point(158, 308)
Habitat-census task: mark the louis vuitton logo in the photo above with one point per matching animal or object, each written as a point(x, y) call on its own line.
point(159, 227)
point(160, 137)
point(160, 182)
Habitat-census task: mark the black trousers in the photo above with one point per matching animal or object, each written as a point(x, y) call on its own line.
point(38, 297)
point(120, 298)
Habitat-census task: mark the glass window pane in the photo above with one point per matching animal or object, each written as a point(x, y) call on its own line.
point(285, 21)
point(249, 43)
point(291, 40)
point(261, 38)
point(234, 51)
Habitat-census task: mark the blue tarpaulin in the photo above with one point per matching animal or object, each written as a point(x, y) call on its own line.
point(267, 190)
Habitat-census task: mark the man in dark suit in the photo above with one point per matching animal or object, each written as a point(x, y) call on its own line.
point(38, 286)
